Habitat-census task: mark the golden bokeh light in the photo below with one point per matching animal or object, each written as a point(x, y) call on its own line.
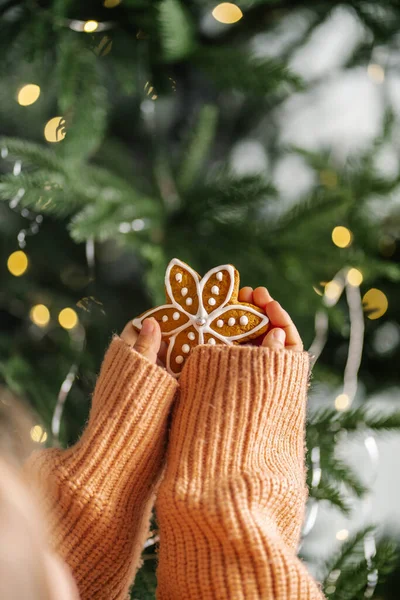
point(68, 318)
point(227, 13)
point(38, 434)
point(328, 178)
point(17, 263)
point(376, 73)
point(375, 303)
point(111, 3)
point(333, 290)
point(354, 277)
point(28, 94)
point(342, 535)
point(342, 237)
point(40, 315)
point(342, 402)
point(54, 130)
point(90, 26)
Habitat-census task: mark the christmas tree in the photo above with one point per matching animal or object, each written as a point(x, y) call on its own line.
point(134, 131)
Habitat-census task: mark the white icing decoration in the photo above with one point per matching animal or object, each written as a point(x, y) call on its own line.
point(191, 335)
point(220, 323)
point(212, 341)
point(231, 322)
point(185, 348)
point(244, 320)
point(184, 291)
point(178, 277)
point(179, 359)
point(165, 318)
point(176, 316)
point(215, 290)
point(212, 301)
point(189, 301)
point(219, 276)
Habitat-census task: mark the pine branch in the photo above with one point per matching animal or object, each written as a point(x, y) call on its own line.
point(330, 492)
point(32, 154)
point(352, 420)
point(176, 30)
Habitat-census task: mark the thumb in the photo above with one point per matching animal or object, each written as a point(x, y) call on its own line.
point(275, 339)
point(149, 339)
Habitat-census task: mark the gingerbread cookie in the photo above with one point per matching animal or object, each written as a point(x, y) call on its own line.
point(202, 310)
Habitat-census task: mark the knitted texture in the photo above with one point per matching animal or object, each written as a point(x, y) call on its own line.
point(231, 502)
point(99, 493)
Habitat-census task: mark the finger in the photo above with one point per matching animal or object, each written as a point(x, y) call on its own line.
point(280, 318)
point(261, 297)
point(149, 339)
point(246, 295)
point(129, 334)
point(162, 354)
point(275, 339)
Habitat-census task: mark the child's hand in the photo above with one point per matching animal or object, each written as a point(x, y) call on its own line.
point(147, 341)
point(284, 332)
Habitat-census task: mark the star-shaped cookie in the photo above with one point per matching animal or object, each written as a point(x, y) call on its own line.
point(202, 310)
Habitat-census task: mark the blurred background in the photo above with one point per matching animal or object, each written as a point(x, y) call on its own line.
point(263, 133)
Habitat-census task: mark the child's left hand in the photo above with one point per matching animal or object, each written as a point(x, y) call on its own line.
point(283, 333)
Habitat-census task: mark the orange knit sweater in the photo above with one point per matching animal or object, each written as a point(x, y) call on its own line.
point(230, 494)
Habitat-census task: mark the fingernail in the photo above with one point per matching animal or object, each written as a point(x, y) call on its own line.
point(279, 335)
point(148, 326)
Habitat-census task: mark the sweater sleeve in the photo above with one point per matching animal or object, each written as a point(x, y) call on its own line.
point(98, 494)
point(232, 500)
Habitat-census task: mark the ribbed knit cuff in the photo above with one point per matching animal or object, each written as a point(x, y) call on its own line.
point(125, 436)
point(241, 408)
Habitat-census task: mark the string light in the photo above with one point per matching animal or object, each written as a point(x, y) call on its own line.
point(333, 290)
point(227, 13)
point(375, 303)
point(54, 130)
point(90, 26)
point(328, 178)
point(17, 263)
point(341, 236)
point(354, 277)
point(40, 315)
point(342, 535)
point(38, 434)
point(376, 73)
point(111, 3)
point(28, 94)
point(68, 318)
point(342, 402)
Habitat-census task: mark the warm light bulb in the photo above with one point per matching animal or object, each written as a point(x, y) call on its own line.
point(332, 290)
point(38, 434)
point(375, 303)
point(342, 237)
point(68, 318)
point(40, 315)
point(376, 73)
point(342, 402)
point(354, 277)
point(90, 26)
point(17, 263)
point(111, 3)
point(342, 535)
point(54, 130)
point(227, 13)
point(28, 94)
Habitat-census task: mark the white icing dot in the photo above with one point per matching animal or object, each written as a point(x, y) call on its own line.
point(179, 359)
point(215, 290)
point(178, 277)
point(175, 316)
point(219, 275)
point(211, 341)
point(189, 301)
point(185, 348)
point(191, 335)
point(231, 321)
point(212, 301)
point(184, 291)
point(244, 320)
point(220, 323)
point(165, 318)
